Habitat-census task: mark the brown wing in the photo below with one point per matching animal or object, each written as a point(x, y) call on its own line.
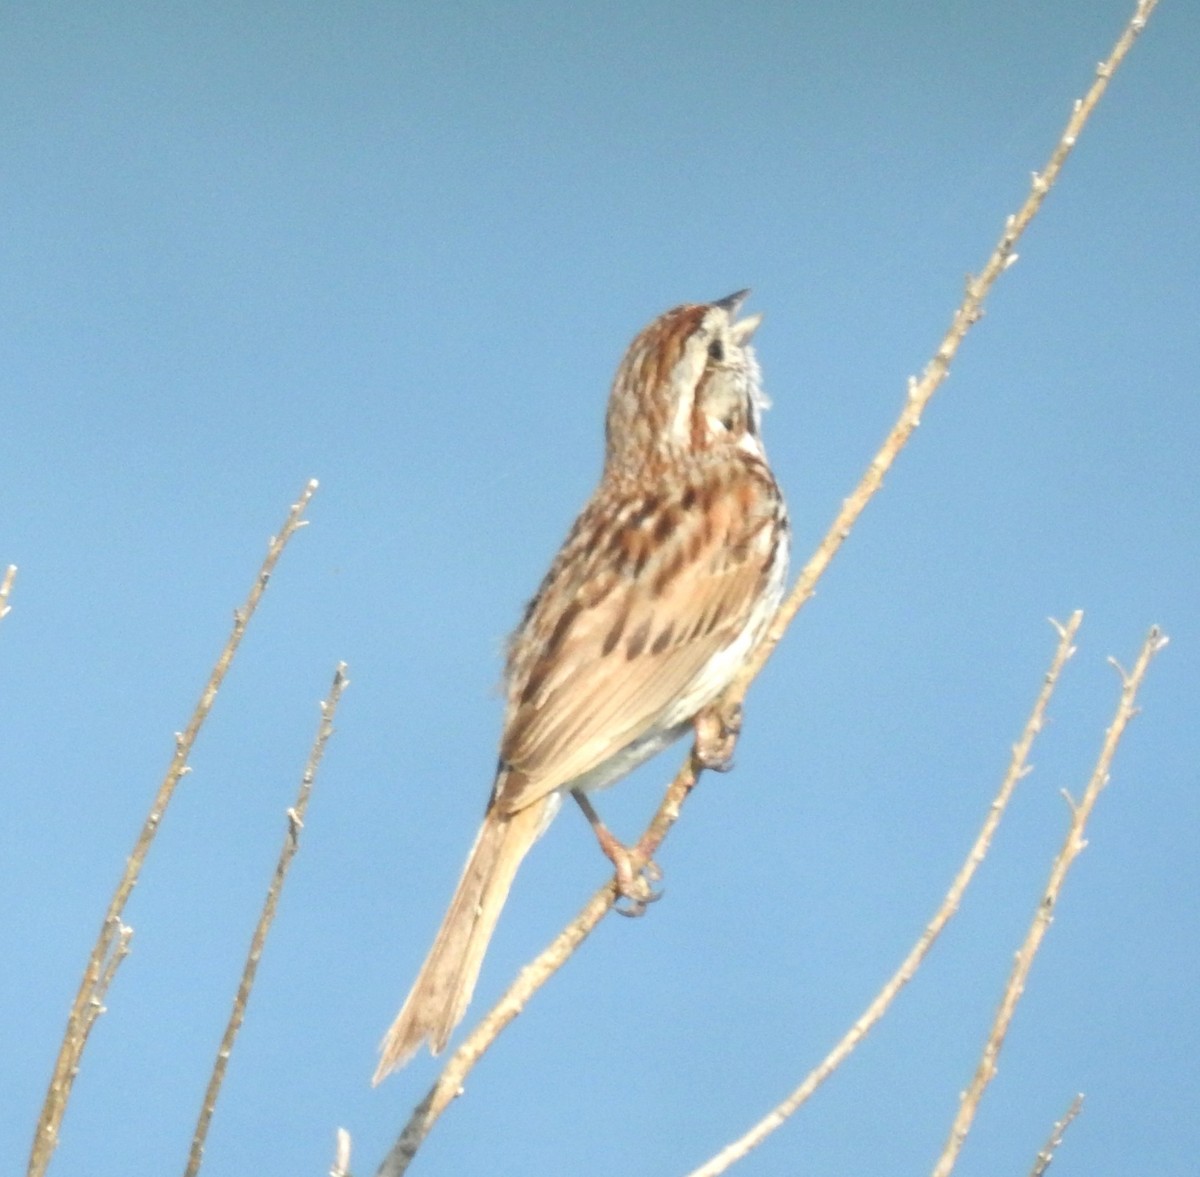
point(641, 597)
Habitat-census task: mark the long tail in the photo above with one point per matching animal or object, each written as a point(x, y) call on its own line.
point(443, 988)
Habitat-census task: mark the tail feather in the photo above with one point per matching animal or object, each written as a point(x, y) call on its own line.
point(443, 988)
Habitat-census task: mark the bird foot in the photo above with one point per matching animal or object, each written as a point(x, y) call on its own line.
point(717, 730)
point(636, 887)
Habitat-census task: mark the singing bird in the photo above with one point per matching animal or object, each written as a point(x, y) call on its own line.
point(663, 588)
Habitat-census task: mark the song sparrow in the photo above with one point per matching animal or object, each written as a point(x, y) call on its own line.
point(665, 584)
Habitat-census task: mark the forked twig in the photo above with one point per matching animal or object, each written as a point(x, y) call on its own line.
point(1018, 767)
point(112, 942)
point(1072, 846)
point(1046, 1155)
point(291, 844)
point(920, 392)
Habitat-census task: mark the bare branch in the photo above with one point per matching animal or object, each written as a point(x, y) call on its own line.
point(109, 950)
point(1073, 845)
point(921, 391)
point(291, 843)
point(1018, 768)
point(1046, 1155)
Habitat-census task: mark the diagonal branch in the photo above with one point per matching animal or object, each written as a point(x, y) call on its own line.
point(920, 392)
point(112, 942)
point(1046, 1154)
point(291, 844)
point(969, 312)
point(1071, 849)
point(1018, 768)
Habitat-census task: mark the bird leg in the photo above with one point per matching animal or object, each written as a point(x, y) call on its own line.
point(717, 729)
point(634, 886)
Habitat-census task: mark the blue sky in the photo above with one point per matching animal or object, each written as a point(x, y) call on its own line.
point(400, 248)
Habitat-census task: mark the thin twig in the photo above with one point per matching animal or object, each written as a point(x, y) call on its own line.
point(1073, 844)
point(10, 574)
point(1018, 768)
point(920, 392)
point(291, 844)
point(109, 949)
point(1046, 1155)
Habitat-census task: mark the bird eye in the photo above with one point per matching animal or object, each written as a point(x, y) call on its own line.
point(716, 351)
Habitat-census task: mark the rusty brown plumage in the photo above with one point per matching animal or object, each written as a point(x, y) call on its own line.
point(663, 587)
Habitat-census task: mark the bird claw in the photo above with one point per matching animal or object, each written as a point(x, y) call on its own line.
point(634, 886)
point(717, 731)
point(637, 889)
